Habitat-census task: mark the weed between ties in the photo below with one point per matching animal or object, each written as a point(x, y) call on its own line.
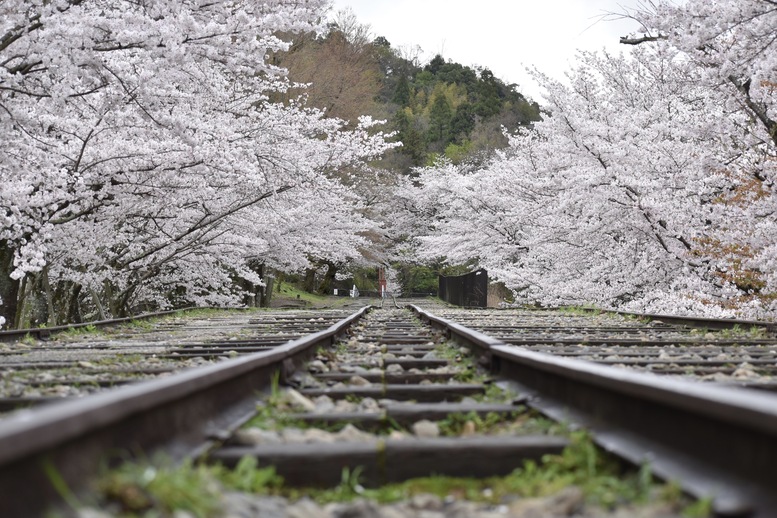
point(139, 488)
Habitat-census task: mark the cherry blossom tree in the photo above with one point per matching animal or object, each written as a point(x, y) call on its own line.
point(733, 47)
point(142, 159)
point(650, 185)
point(733, 43)
point(636, 191)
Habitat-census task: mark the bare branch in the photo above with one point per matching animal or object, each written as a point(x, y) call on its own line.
point(625, 40)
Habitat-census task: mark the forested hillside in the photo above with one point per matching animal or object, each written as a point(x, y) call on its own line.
point(440, 108)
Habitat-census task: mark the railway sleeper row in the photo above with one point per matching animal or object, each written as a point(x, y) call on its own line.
point(70, 365)
point(392, 367)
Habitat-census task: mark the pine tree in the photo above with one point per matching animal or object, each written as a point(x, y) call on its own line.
point(440, 117)
point(402, 91)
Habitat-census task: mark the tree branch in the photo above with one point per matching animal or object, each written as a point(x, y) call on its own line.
point(625, 40)
point(758, 109)
point(205, 222)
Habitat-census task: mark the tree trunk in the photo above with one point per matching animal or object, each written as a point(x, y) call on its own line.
point(67, 295)
point(310, 280)
point(267, 292)
point(257, 293)
point(118, 300)
point(51, 316)
point(121, 304)
point(37, 304)
point(31, 310)
point(9, 288)
point(329, 278)
point(19, 319)
point(98, 303)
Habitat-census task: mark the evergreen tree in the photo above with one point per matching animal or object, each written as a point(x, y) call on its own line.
point(463, 122)
point(440, 117)
point(402, 91)
point(489, 95)
point(412, 141)
point(436, 64)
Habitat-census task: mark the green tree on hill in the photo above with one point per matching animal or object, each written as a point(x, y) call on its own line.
point(412, 139)
point(463, 122)
point(440, 118)
point(441, 108)
point(402, 91)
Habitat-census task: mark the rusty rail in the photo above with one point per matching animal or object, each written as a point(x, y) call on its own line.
point(182, 414)
point(718, 442)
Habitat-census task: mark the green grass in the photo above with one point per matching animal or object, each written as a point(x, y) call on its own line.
point(601, 478)
point(636, 318)
point(735, 332)
point(290, 291)
point(450, 351)
point(196, 313)
point(583, 465)
point(467, 369)
point(270, 417)
point(141, 325)
point(341, 348)
point(110, 361)
point(699, 509)
point(161, 488)
point(494, 393)
point(454, 424)
point(135, 488)
point(522, 421)
point(753, 332)
point(75, 332)
point(60, 486)
point(583, 310)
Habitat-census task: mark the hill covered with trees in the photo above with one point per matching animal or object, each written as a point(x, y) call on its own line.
point(440, 108)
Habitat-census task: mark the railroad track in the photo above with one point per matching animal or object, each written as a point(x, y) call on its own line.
point(385, 379)
point(391, 361)
point(743, 354)
point(46, 368)
point(717, 440)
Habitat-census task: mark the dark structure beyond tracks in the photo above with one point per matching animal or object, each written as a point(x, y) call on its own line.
point(716, 439)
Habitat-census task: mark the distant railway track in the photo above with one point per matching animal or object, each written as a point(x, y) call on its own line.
point(717, 440)
point(47, 366)
point(740, 353)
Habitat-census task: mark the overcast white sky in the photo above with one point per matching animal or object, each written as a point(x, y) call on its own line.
point(504, 35)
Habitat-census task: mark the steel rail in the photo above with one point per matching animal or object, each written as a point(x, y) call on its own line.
point(697, 322)
point(717, 442)
point(689, 321)
point(182, 415)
